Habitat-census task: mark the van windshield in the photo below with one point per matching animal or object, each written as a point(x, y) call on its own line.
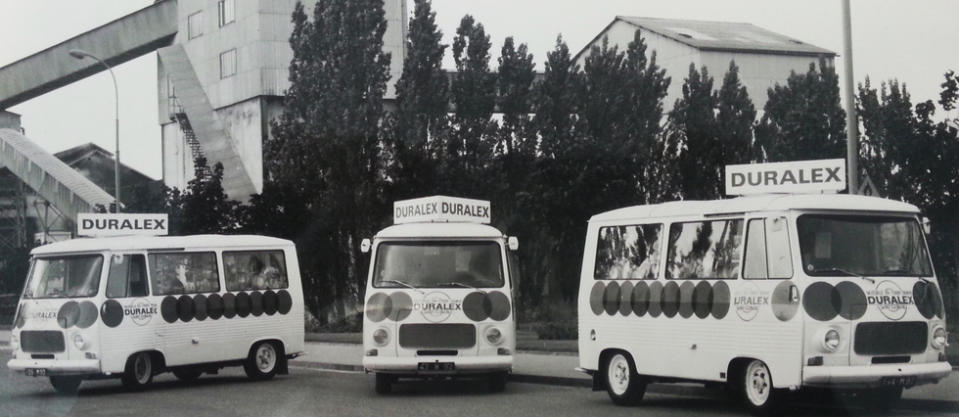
point(845, 245)
point(438, 265)
point(64, 277)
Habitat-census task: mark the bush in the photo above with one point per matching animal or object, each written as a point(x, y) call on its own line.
point(556, 330)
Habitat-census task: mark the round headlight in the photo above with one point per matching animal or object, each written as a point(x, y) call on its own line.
point(79, 342)
point(381, 337)
point(938, 338)
point(494, 336)
point(830, 340)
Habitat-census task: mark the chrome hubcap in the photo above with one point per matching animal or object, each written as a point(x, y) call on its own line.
point(757, 383)
point(618, 374)
point(265, 357)
point(141, 368)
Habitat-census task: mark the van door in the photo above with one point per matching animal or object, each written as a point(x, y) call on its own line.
point(129, 317)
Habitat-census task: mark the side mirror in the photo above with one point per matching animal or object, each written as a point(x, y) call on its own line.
point(513, 243)
point(926, 225)
point(365, 245)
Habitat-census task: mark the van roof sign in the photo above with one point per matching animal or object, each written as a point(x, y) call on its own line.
point(441, 209)
point(786, 177)
point(121, 224)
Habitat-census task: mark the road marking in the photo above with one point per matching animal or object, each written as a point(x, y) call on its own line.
point(335, 371)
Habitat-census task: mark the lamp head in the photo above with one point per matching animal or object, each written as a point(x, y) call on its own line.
point(78, 54)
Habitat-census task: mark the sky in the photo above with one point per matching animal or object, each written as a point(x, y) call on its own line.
point(912, 41)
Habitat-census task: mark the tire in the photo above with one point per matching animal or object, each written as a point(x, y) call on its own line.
point(66, 385)
point(880, 399)
point(497, 381)
point(139, 371)
point(756, 386)
point(624, 386)
point(384, 383)
point(187, 374)
point(263, 361)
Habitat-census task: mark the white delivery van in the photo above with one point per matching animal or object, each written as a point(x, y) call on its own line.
point(763, 293)
point(135, 306)
point(438, 298)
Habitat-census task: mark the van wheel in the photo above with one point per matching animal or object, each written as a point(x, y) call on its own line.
point(187, 374)
point(497, 381)
point(139, 371)
point(757, 388)
point(262, 363)
point(66, 385)
point(384, 383)
point(624, 385)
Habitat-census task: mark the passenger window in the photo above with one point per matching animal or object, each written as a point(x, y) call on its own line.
point(181, 273)
point(767, 249)
point(254, 270)
point(628, 252)
point(128, 276)
point(705, 250)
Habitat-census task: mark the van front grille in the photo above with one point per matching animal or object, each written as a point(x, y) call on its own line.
point(41, 341)
point(437, 336)
point(885, 338)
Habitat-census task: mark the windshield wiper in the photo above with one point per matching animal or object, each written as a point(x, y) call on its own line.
point(457, 284)
point(843, 271)
point(905, 272)
point(401, 283)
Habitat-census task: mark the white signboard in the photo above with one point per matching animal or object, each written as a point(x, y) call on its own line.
point(441, 209)
point(786, 177)
point(120, 224)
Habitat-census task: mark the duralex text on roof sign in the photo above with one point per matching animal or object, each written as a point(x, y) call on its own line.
point(441, 209)
point(786, 177)
point(111, 224)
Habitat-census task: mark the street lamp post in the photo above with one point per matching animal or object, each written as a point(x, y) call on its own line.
point(80, 54)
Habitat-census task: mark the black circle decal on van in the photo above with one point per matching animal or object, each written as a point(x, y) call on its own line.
point(783, 305)
point(402, 306)
point(88, 314)
point(640, 298)
point(168, 309)
point(655, 299)
point(184, 308)
point(670, 299)
point(686, 299)
point(596, 297)
point(720, 300)
point(499, 305)
point(284, 302)
point(702, 299)
point(256, 304)
point(199, 307)
point(821, 301)
point(243, 306)
point(611, 298)
point(474, 306)
point(852, 300)
point(112, 313)
point(270, 302)
point(229, 305)
point(626, 298)
point(214, 306)
point(68, 315)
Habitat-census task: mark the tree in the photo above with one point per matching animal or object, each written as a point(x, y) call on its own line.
point(803, 119)
point(203, 208)
point(326, 148)
point(735, 118)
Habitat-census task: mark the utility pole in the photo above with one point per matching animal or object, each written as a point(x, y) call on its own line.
point(852, 120)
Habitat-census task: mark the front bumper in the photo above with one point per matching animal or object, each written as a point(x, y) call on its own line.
point(870, 375)
point(464, 365)
point(57, 367)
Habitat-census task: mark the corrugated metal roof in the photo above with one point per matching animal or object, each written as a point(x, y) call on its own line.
point(725, 36)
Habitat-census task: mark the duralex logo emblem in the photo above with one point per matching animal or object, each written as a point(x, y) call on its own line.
point(44, 311)
point(749, 300)
point(891, 300)
point(140, 311)
point(437, 306)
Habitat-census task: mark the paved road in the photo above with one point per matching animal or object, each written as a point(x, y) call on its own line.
point(310, 392)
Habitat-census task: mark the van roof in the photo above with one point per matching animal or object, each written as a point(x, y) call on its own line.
point(158, 242)
point(759, 203)
point(439, 230)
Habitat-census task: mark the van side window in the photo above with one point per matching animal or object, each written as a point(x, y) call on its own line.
point(705, 250)
point(128, 276)
point(628, 252)
point(767, 249)
point(182, 273)
point(254, 270)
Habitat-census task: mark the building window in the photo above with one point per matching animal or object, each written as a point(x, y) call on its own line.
point(228, 63)
point(194, 25)
point(227, 11)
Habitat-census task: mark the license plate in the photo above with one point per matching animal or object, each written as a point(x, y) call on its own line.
point(35, 372)
point(436, 366)
point(897, 381)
